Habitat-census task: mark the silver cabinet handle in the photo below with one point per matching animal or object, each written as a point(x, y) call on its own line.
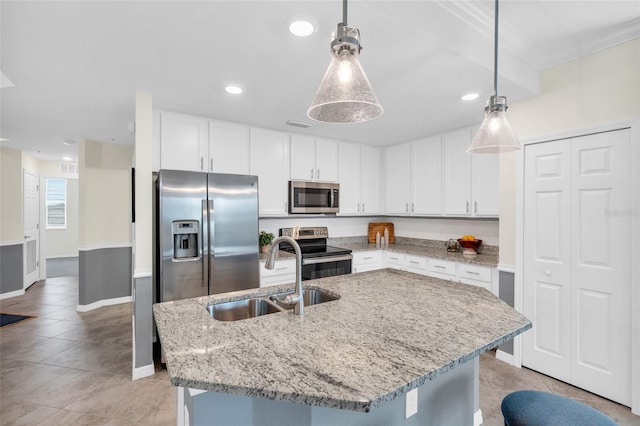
point(358, 207)
point(286, 207)
point(439, 266)
point(472, 273)
point(311, 174)
point(201, 163)
point(284, 268)
point(412, 207)
point(406, 207)
point(368, 258)
point(317, 173)
point(475, 207)
point(467, 207)
point(211, 169)
point(414, 262)
point(362, 207)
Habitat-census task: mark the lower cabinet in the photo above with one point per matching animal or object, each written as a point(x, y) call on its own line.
point(462, 272)
point(364, 261)
point(283, 273)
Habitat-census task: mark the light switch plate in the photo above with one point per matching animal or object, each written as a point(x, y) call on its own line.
point(411, 403)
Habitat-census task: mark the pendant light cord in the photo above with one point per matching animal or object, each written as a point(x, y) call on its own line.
point(495, 52)
point(344, 13)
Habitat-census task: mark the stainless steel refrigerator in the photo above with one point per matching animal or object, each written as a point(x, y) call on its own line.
point(207, 234)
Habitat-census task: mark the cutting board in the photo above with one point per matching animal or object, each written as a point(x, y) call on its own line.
point(375, 227)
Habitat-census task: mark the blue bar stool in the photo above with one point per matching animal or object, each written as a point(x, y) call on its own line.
point(535, 408)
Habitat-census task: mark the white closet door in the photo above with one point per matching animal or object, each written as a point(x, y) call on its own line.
point(601, 258)
point(547, 263)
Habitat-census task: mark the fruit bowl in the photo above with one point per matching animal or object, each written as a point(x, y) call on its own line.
point(469, 246)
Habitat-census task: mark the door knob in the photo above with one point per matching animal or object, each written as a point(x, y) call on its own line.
point(547, 273)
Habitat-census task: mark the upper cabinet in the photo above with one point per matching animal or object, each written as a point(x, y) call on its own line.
point(270, 162)
point(197, 144)
point(426, 176)
point(359, 171)
point(229, 148)
point(471, 182)
point(184, 141)
point(398, 173)
point(314, 159)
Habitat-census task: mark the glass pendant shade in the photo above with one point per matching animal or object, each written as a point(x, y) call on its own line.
point(495, 135)
point(345, 94)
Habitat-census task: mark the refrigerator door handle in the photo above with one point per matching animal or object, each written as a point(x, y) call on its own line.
point(204, 247)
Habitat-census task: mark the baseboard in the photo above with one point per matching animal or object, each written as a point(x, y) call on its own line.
point(11, 294)
point(142, 372)
point(505, 357)
point(477, 418)
point(63, 256)
point(101, 303)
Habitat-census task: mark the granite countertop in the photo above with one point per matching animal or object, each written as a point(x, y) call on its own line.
point(390, 331)
point(435, 252)
point(282, 255)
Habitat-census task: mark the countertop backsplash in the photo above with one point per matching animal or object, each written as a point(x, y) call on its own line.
point(437, 244)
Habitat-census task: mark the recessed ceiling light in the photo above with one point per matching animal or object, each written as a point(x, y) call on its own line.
point(301, 28)
point(234, 90)
point(470, 96)
point(4, 140)
point(69, 142)
point(66, 158)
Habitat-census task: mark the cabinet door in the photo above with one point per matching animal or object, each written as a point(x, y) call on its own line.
point(456, 176)
point(349, 171)
point(426, 172)
point(303, 157)
point(270, 162)
point(326, 160)
point(184, 142)
point(398, 166)
point(229, 148)
point(369, 180)
point(485, 185)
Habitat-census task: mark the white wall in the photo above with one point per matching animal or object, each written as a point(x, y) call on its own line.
point(11, 196)
point(425, 228)
point(596, 89)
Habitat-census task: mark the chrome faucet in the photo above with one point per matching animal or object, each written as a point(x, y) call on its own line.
point(293, 298)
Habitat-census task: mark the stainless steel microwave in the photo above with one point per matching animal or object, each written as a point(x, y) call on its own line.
point(313, 197)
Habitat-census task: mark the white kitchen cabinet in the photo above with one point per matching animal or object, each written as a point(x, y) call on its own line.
point(470, 182)
point(416, 264)
point(194, 143)
point(184, 141)
point(440, 268)
point(364, 261)
point(394, 260)
point(481, 276)
point(229, 148)
point(270, 162)
point(314, 159)
point(284, 272)
point(426, 176)
point(359, 172)
point(398, 176)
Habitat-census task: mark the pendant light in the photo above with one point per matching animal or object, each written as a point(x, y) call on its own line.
point(345, 94)
point(495, 135)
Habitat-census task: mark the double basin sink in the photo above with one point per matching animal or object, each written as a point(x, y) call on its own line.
point(258, 306)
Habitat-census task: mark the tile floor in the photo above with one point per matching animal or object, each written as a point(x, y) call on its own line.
point(70, 368)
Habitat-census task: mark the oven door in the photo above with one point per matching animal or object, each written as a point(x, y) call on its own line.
point(327, 266)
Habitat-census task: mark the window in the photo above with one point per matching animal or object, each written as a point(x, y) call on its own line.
point(56, 201)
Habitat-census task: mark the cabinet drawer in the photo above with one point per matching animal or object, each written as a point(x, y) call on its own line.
point(416, 262)
point(439, 266)
point(394, 260)
point(364, 257)
point(282, 267)
point(474, 272)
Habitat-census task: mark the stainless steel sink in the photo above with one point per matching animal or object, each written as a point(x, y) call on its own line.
point(242, 309)
point(311, 297)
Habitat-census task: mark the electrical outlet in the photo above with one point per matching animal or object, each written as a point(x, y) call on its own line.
point(412, 403)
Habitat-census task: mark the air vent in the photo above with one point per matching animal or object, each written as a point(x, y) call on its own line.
point(69, 168)
point(298, 123)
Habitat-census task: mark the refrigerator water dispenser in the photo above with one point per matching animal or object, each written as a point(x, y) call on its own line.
point(185, 239)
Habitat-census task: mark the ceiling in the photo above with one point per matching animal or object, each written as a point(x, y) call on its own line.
point(75, 66)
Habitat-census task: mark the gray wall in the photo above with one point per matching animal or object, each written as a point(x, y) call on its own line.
point(507, 283)
point(11, 268)
point(143, 321)
point(104, 274)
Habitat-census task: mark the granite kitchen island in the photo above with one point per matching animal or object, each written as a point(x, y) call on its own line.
point(348, 361)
